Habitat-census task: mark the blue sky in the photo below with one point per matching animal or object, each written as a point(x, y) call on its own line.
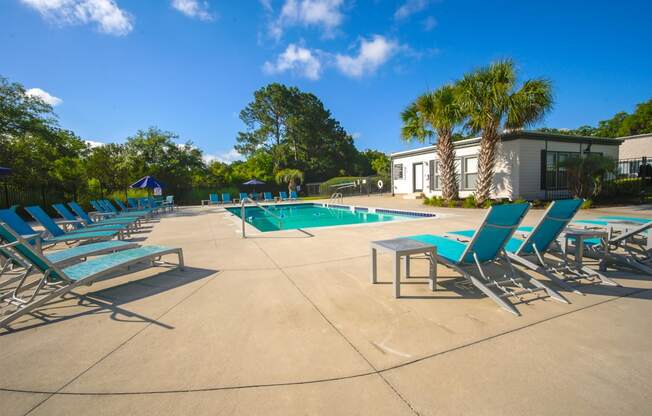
point(190, 66)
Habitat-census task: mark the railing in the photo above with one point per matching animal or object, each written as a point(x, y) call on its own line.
point(242, 214)
point(337, 196)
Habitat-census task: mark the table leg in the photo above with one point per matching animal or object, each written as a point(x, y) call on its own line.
point(397, 276)
point(407, 266)
point(433, 271)
point(374, 265)
point(605, 254)
point(579, 250)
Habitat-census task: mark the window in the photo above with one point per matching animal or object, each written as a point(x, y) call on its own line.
point(553, 175)
point(434, 174)
point(398, 171)
point(470, 172)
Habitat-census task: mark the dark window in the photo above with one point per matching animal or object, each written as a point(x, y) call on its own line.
point(398, 171)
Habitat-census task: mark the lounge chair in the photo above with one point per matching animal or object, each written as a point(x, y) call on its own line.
point(486, 246)
point(108, 207)
point(283, 196)
point(529, 245)
point(79, 224)
point(226, 198)
point(57, 281)
point(76, 235)
point(114, 220)
point(267, 196)
point(293, 196)
point(631, 248)
point(213, 199)
point(243, 196)
point(168, 203)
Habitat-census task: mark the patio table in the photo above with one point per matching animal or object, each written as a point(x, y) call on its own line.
point(403, 247)
point(579, 235)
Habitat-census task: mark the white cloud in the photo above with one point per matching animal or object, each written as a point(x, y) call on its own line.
point(356, 135)
point(298, 60)
point(106, 14)
point(93, 143)
point(373, 53)
point(194, 8)
point(44, 96)
point(321, 13)
point(267, 5)
point(429, 23)
point(411, 7)
point(226, 157)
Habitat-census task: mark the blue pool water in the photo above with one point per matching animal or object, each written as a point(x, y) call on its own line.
point(310, 215)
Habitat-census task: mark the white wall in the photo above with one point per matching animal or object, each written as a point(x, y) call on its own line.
point(517, 173)
point(636, 147)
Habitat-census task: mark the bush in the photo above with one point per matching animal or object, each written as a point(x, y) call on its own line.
point(588, 203)
point(519, 201)
point(469, 202)
point(453, 203)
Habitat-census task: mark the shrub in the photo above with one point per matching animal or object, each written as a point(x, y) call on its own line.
point(469, 202)
point(588, 203)
point(453, 203)
point(519, 201)
point(437, 201)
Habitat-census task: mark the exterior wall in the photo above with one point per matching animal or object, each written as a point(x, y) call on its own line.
point(505, 171)
point(530, 166)
point(636, 147)
point(517, 173)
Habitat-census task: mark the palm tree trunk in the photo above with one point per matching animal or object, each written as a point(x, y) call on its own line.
point(446, 156)
point(486, 163)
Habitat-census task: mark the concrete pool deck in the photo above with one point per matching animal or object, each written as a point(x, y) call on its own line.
point(288, 323)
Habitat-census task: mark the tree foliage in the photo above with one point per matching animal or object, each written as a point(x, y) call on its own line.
point(586, 172)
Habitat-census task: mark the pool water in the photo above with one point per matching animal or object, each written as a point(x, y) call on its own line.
point(307, 216)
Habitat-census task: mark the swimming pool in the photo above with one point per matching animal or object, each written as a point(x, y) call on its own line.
point(294, 216)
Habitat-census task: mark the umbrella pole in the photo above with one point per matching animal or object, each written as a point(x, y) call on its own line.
point(7, 194)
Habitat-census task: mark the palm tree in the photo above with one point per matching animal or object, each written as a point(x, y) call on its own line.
point(289, 176)
point(489, 99)
point(436, 110)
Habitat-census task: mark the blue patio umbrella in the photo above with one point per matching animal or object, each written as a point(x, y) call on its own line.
point(146, 182)
point(254, 182)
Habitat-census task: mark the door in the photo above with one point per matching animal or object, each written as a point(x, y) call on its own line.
point(417, 177)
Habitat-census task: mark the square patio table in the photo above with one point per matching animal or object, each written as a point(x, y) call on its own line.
point(579, 235)
point(403, 247)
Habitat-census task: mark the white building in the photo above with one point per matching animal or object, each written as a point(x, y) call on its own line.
point(636, 147)
point(527, 165)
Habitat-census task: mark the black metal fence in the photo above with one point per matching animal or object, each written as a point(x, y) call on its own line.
point(632, 179)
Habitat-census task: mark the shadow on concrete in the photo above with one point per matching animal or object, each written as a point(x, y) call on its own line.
point(111, 300)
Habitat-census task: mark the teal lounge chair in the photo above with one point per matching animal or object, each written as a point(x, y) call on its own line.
point(111, 208)
point(213, 199)
point(73, 236)
point(530, 244)
point(293, 196)
point(57, 281)
point(243, 196)
point(267, 196)
point(283, 196)
point(226, 198)
point(168, 203)
point(79, 224)
point(486, 246)
point(77, 209)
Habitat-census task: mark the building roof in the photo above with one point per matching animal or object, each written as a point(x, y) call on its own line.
point(516, 135)
point(637, 136)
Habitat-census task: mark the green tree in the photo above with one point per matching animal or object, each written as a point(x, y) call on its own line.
point(585, 174)
point(440, 111)
point(491, 102)
point(109, 165)
point(296, 129)
point(291, 177)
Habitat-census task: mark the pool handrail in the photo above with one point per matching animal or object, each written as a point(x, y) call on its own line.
point(242, 214)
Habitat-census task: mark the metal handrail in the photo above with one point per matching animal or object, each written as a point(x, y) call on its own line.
point(336, 196)
point(242, 214)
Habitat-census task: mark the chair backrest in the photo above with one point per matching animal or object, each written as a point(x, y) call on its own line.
point(27, 251)
point(44, 219)
point(108, 205)
point(495, 231)
point(553, 222)
point(283, 195)
point(293, 194)
point(213, 198)
point(226, 197)
point(243, 195)
point(16, 223)
point(133, 203)
point(65, 213)
point(120, 204)
point(80, 211)
point(169, 199)
point(626, 235)
point(14, 207)
point(268, 195)
point(97, 206)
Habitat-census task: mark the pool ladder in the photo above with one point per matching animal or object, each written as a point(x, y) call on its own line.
point(242, 214)
point(337, 196)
